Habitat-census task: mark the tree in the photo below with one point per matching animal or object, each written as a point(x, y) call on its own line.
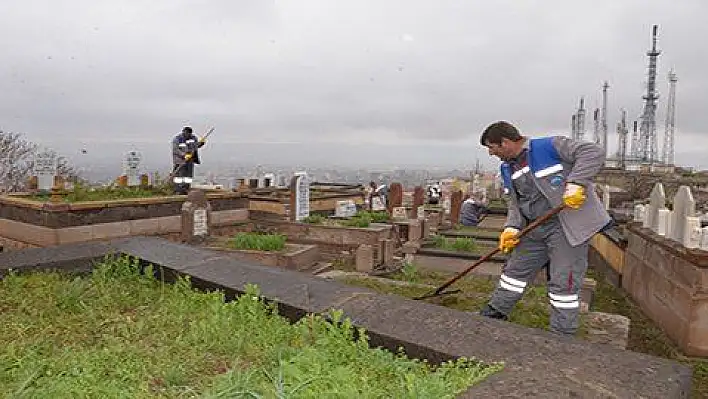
point(17, 160)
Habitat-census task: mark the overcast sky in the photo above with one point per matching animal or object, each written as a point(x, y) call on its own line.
point(428, 74)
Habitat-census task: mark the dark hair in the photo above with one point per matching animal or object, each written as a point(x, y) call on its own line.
point(187, 129)
point(497, 131)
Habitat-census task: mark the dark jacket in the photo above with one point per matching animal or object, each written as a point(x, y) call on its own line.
point(181, 145)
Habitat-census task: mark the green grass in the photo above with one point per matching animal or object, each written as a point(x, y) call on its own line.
point(361, 219)
point(314, 219)
point(458, 244)
point(82, 193)
point(120, 334)
point(257, 242)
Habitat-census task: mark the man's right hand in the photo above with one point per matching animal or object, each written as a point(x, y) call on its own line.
point(188, 156)
point(508, 239)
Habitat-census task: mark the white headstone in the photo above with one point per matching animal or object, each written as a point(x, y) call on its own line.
point(400, 212)
point(421, 212)
point(692, 232)
point(639, 210)
point(269, 180)
point(302, 196)
point(201, 226)
point(704, 238)
point(684, 206)
point(345, 209)
point(447, 205)
point(645, 217)
point(664, 219)
point(606, 197)
point(45, 168)
point(131, 168)
point(657, 200)
point(377, 204)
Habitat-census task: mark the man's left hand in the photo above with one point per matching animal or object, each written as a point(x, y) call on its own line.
point(574, 196)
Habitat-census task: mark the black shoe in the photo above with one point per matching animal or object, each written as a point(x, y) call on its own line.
point(492, 313)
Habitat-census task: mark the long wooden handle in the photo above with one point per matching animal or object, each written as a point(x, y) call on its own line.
point(543, 219)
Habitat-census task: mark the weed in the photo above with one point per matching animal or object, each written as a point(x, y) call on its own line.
point(258, 242)
point(314, 219)
point(459, 244)
point(122, 333)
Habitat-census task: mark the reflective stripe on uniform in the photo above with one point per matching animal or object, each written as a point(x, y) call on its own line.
point(187, 179)
point(512, 284)
point(564, 301)
point(549, 170)
point(178, 180)
point(506, 190)
point(520, 172)
point(182, 145)
point(190, 141)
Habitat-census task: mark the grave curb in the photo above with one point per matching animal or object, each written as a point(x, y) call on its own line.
point(538, 363)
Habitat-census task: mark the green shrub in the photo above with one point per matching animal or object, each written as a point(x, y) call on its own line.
point(258, 242)
point(314, 219)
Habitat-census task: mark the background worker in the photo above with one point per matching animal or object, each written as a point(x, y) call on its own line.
point(540, 174)
point(471, 211)
point(185, 154)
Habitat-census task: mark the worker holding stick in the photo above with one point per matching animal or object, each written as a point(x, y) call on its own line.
point(540, 174)
point(185, 154)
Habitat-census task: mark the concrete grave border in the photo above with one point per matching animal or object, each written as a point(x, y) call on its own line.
point(538, 363)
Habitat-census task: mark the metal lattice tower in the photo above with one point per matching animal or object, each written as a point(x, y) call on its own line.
point(647, 131)
point(603, 116)
point(580, 121)
point(667, 155)
point(573, 127)
point(596, 126)
point(622, 134)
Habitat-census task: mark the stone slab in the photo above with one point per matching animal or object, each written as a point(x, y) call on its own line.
point(537, 363)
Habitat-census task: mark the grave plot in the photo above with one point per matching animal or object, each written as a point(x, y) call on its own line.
point(120, 333)
point(535, 363)
point(267, 249)
point(32, 220)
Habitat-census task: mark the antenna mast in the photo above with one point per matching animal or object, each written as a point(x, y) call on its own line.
point(647, 135)
point(668, 153)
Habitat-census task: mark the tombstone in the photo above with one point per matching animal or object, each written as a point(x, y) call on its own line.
point(399, 212)
point(45, 168)
point(420, 214)
point(268, 180)
point(395, 197)
point(281, 181)
point(345, 209)
point(377, 204)
point(299, 196)
point(606, 197)
point(364, 258)
point(418, 199)
point(664, 222)
point(645, 216)
point(447, 205)
point(657, 200)
point(692, 232)
point(196, 217)
point(253, 183)
point(704, 239)
point(639, 210)
point(131, 168)
point(684, 206)
point(455, 206)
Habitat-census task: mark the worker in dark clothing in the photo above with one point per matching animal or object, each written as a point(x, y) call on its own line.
point(540, 174)
point(185, 154)
point(471, 211)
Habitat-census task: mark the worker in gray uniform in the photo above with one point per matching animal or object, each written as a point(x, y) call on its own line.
point(540, 174)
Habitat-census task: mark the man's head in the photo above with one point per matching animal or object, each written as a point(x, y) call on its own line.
point(502, 140)
point(186, 131)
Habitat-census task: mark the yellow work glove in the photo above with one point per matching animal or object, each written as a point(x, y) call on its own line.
point(574, 196)
point(188, 157)
point(202, 141)
point(508, 239)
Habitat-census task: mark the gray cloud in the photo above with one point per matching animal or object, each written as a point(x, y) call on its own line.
point(345, 71)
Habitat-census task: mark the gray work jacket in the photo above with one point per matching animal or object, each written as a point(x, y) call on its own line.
point(581, 162)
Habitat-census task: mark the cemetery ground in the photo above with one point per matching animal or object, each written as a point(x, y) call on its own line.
point(80, 193)
point(120, 333)
point(532, 311)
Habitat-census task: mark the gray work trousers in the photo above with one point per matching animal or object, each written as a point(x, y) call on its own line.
point(567, 269)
